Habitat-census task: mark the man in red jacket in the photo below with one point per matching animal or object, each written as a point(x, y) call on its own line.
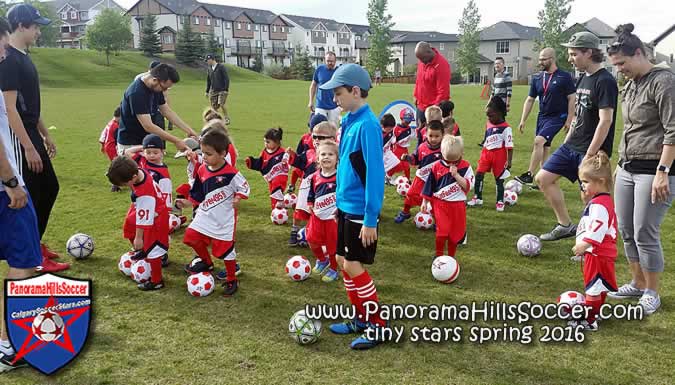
point(432, 85)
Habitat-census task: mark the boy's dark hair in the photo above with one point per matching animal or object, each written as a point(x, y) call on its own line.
point(497, 104)
point(435, 125)
point(118, 112)
point(216, 139)
point(596, 55)
point(274, 134)
point(446, 107)
point(4, 27)
point(122, 169)
point(364, 93)
point(388, 120)
point(626, 42)
point(164, 72)
point(500, 58)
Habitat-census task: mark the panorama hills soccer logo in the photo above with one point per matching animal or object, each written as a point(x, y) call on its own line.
point(48, 318)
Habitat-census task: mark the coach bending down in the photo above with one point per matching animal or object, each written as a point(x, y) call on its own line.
point(136, 108)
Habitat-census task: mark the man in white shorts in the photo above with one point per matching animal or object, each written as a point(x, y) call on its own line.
point(325, 104)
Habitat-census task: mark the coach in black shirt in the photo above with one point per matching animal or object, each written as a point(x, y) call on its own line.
point(217, 85)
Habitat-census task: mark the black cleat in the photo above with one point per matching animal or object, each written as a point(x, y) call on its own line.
point(147, 286)
point(230, 288)
point(7, 364)
point(525, 178)
point(197, 266)
point(165, 260)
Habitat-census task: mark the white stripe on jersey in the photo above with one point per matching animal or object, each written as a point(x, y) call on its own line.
point(325, 207)
point(423, 172)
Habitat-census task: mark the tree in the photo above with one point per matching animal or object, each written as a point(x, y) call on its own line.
point(212, 45)
point(189, 46)
point(150, 44)
point(379, 54)
point(51, 32)
point(552, 23)
point(111, 32)
point(301, 68)
point(467, 53)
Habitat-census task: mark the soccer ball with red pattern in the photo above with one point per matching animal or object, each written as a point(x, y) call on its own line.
point(402, 189)
point(279, 216)
point(47, 326)
point(568, 299)
point(289, 200)
point(529, 245)
point(510, 197)
point(200, 284)
point(445, 269)
point(514, 185)
point(125, 263)
point(400, 180)
point(174, 223)
point(298, 268)
point(424, 221)
point(140, 271)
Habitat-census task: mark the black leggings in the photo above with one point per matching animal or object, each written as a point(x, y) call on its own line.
point(43, 187)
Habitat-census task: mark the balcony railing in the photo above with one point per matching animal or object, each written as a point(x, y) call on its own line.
point(244, 50)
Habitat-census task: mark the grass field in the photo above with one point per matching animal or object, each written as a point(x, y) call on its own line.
point(168, 337)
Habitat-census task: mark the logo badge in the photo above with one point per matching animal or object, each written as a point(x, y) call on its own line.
point(48, 318)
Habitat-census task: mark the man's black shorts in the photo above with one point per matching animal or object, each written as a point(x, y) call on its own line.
point(349, 244)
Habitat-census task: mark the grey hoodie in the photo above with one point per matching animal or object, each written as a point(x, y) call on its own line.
point(648, 106)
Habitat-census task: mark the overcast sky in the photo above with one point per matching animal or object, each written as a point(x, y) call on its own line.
point(651, 17)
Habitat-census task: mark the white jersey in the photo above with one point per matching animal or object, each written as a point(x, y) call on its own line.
point(10, 142)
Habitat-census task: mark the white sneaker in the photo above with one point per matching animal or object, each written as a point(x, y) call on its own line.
point(626, 291)
point(650, 303)
point(577, 258)
point(474, 202)
point(499, 206)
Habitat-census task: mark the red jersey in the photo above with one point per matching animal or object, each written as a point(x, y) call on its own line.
point(270, 164)
point(305, 144)
point(432, 84)
point(149, 200)
point(498, 137)
point(108, 139)
point(598, 226)
point(160, 174)
point(424, 157)
point(305, 162)
point(443, 186)
point(403, 136)
point(231, 156)
point(321, 195)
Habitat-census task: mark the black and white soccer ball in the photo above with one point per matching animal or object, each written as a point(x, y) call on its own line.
point(80, 246)
point(304, 330)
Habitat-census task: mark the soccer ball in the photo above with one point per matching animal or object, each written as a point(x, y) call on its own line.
point(529, 245)
point(514, 185)
point(303, 330)
point(510, 197)
point(570, 298)
point(174, 223)
point(424, 221)
point(279, 216)
point(302, 237)
point(445, 269)
point(80, 246)
point(47, 326)
point(298, 268)
point(140, 271)
point(400, 180)
point(125, 263)
point(402, 189)
point(200, 284)
point(289, 200)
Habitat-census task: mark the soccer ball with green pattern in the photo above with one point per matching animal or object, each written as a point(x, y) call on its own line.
point(303, 330)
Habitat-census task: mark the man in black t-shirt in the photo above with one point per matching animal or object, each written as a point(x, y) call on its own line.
point(34, 147)
point(592, 129)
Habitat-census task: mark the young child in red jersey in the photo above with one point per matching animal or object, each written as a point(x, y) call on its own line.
point(403, 134)
point(424, 157)
point(150, 238)
point(596, 235)
point(430, 114)
point(449, 124)
point(496, 154)
point(322, 227)
point(218, 188)
point(272, 166)
point(304, 144)
point(108, 139)
point(445, 193)
point(392, 164)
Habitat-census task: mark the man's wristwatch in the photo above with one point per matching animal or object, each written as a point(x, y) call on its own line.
point(663, 168)
point(11, 183)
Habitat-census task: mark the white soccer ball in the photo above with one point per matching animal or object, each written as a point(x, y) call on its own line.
point(47, 326)
point(289, 200)
point(424, 221)
point(510, 197)
point(400, 180)
point(304, 330)
point(445, 269)
point(402, 189)
point(298, 268)
point(529, 245)
point(570, 298)
point(279, 216)
point(140, 271)
point(302, 237)
point(200, 284)
point(174, 223)
point(80, 246)
point(125, 263)
point(514, 185)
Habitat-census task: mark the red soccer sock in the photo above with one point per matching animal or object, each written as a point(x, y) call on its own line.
point(407, 172)
point(595, 302)
point(231, 267)
point(440, 245)
point(155, 269)
point(274, 203)
point(452, 248)
point(318, 252)
point(365, 289)
point(351, 291)
point(203, 252)
point(333, 262)
point(294, 178)
point(406, 208)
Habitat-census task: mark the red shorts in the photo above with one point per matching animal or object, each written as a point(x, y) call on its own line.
point(297, 173)
point(322, 232)
point(599, 274)
point(301, 215)
point(414, 196)
point(450, 219)
point(399, 151)
point(494, 160)
point(401, 167)
point(155, 238)
point(219, 248)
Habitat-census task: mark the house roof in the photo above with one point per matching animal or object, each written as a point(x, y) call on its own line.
point(508, 30)
point(227, 12)
point(429, 36)
point(167, 28)
point(483, 59)
point(662, 36)
point(359, 29)
point(81, 5)
point(179, 7)
point(599, 28)
point(307, 22)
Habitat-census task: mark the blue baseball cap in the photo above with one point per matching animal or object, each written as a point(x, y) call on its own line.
point(153, 141)
point(26, 14)
point(348, 75)
point(316, 119)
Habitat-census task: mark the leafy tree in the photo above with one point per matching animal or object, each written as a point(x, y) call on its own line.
point(150, 44)
point(552, 22)
point(467, 53)
point(189, 46)
point(379, 21)
point(212, 45)
point(111, 32)
point(301, 67)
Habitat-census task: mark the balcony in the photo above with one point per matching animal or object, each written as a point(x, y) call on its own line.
point(70, 35)
point(277, 51)
point(243, 50)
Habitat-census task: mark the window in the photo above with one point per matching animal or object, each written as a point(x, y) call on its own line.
point(227, 43)
point(196, 20)
point(442, 46)
point(509, 70)
point(83, 15)
point(264, 28)
point(65, 29)
point(217, 22)
point(257, 43)
point(248, 26)
point(257, 27)
point(274, 28)
point(167, 39)
point(604, 41)
point(181, 19)
point(64, 16)
point(283, 29)
point(290, 45)
point(73, 15)
point(503, 46)
point(323, 34)
point(316, 34)
point(263, 44)
point(357, 37)
point(238, 25)
point(208, 21)
point(307, 33)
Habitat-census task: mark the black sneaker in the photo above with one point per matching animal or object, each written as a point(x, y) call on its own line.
point(293, 238)
point(147, 286)
point(525, 178)
point(290, 189)
point(165, 260)
point(138, 255)
point(197, 266)
point(230, 288)
point(114, 188)
point(6, 362)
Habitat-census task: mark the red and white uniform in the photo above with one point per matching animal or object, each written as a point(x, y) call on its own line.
point(149, 212)
point(599, 228)
point(403, 137)
point(391, 161)
point(448, 198)
point(216, 219)
point(160, 173)
point(424, 157)
point(494, 156)
point(108, 139)
point(305, 144)
point(322, 227)
point(307, 163)
point(274, 170)
point(231, 156)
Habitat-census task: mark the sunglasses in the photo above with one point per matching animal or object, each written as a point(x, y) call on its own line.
point(321, 137)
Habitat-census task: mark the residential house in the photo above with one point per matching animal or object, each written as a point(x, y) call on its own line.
point(403, 45)
point(75, 16)
point(603, 31)
point(512, 41)
point(665, 43)
point(319, 36)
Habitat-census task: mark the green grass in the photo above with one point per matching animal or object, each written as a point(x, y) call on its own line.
point(168, 337)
